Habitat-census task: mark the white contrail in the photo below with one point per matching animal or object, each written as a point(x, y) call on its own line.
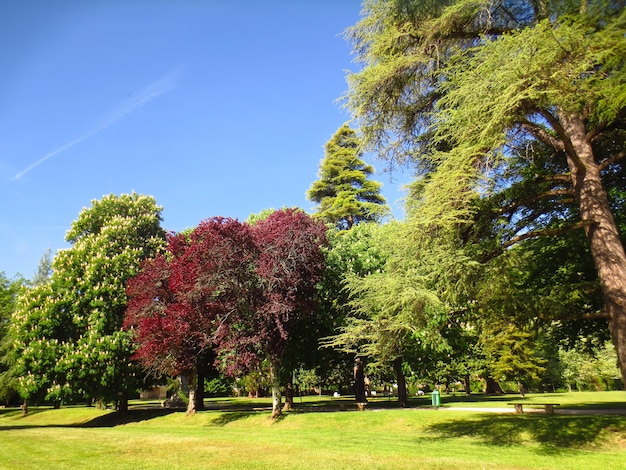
point(152, 91)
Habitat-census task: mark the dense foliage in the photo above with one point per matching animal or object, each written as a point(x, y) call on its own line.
point(231, 289)
point(68, 341)
point(514, 105)
point(344, 192)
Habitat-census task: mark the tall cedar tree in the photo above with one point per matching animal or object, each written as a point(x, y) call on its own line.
point(181, 301)
point(344, 193)
point(464, 88)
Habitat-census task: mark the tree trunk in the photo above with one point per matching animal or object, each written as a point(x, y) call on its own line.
point(200, 391)
point(187, 382)
point(288, 397)
point(492, 387)
point(122, 406)
point(275, 381)
point(24, 408)
point(402, 395)
point(602, 232)
point(467, 385)
point(359, 381)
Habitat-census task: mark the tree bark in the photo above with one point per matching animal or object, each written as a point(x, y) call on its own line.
point(199, 398)
point(122, 405)
point(467, 385)
point(402, 395)
point(359, 381)
point(288, 397)
point(188, 387)
point(602, 233)
point(492, 387)
point(275, 381)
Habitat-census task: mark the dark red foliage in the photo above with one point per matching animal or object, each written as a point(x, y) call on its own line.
point(289, 267)
point(180, 300)
point(226, 286)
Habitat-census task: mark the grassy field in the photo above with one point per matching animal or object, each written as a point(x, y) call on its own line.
point(237, 433)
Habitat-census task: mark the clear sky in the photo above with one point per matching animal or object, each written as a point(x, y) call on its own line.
point(213, 107)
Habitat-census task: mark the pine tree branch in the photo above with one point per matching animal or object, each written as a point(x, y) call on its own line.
point(543, 233)
point(604, 164)
point(543, 135)
point(563, 178)
point(538, 197)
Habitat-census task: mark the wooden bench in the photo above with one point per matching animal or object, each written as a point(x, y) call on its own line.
point(548, 407)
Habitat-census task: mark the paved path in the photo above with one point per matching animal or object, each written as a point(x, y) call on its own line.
point(558, 411)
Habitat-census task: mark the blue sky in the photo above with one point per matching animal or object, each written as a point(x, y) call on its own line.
point(212, 107)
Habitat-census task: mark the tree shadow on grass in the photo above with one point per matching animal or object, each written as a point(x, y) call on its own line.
point(230, 416)
point(132, 416)
point(551, 433)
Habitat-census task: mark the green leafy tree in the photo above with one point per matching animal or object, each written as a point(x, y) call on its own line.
point(69, 341)
point(357, 253)
point(344, 193)
point(513, 356)
point(468, 88)
point(590, 370)
point(399, 309)
point(9, 291)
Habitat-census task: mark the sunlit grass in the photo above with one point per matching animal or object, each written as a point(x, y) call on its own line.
point(380, 437)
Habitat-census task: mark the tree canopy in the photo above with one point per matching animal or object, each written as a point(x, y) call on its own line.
point(344, 192)
point(471, 91)
point(68, 338)
point(226, 287)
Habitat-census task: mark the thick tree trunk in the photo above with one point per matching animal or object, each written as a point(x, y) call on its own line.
point(402, 395)
point(602, 232)
point(359, 381)
point(200, 391)
point(188, 387)
point(492, 387)
point(275, 383)
point(288, 397)
point(122, 405)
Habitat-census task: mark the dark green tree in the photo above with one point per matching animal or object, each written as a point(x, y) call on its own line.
point(468, 88)
point(344, 193)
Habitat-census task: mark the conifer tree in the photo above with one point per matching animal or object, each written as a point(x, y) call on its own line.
point(469, 90)
point(344, 193)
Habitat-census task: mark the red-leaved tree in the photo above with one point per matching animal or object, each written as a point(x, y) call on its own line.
point(289, 266)
point(228, 288)
point(181, 300)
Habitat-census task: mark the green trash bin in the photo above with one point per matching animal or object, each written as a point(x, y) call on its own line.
point(435, 398)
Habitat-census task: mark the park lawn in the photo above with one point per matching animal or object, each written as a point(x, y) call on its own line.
point(86, 438)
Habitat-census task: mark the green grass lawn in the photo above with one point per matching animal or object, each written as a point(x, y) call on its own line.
point(239, 434)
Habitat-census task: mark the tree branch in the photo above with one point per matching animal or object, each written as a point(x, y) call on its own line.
point(544, 233)
point(603, 165)
point(541, 134)
point(547, 194)
point(563, 178)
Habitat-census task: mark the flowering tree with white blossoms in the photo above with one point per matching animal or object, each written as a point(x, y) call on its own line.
point(69, 341)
